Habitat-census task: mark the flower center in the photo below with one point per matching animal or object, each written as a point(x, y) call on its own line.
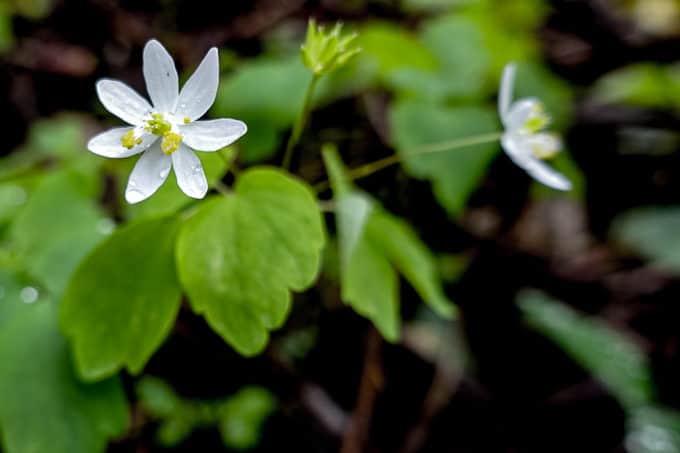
point(538, 119)
point(161, 127)
point(157, 125)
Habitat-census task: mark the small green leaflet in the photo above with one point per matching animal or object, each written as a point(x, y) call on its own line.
point(56, 228)
point(374, 247)
point(45, 408)
point(123, 299)
point(608, 354)
point(613, 358)
point(455, 173)
point(239, 417)
point(652, 232)
point(240, 256)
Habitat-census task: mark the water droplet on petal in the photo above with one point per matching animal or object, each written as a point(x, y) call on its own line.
point(134, 196)
point(196, 169)
point(132, 183)
point(164, 173)
point(29, 294)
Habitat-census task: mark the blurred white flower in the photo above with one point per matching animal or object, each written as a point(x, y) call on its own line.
point(168, 132)
point(523, 121)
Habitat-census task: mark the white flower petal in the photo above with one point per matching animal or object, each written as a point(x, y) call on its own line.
point(516, 147)
point(212, 135)
point(541, 172)
point(520, 112)
point(189, 172)
point(161, 78)
point(519, 150)
point(108, 144)
point(149, 173)
point(199, 93)
point(123, 101)
point(505, 93)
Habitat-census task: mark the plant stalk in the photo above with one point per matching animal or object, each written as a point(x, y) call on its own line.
point(373, 167)
point(300, 122)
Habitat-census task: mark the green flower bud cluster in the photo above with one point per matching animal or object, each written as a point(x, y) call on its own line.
point(325, 51)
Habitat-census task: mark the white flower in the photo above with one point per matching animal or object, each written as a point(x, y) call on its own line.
point(168, 132)
point(523, 121)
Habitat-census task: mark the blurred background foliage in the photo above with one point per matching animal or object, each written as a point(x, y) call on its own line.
point(565, 332)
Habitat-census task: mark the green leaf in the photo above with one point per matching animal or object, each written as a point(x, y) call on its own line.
point(652, 232)
point(472, 46)
point(12, 198)
point(463, 63)
point(157, 398)
point(61, 136)
point(454, 173)
point(34, 9)
point(123, 299)
point(45, 408)
point(610, 355)
point(177, 417)
point(11, 285)
point(411, 257)
point(6, 29)
point(644, 84)
point(370, 285)
point(509, 30)
point(374, 245)
point(353, 210)
point(242, 416)
point(463, 55)
point(392, 47)
point(239, 256)
point(56, 228)
point(239, 417)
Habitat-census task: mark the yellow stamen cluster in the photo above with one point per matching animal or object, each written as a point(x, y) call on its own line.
point(187, 120)
point(159, 126)
point(129, 141)
point(170, 142)
point(538, 120)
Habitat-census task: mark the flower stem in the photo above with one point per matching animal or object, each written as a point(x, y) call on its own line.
point(373, 167)
point(300, 122)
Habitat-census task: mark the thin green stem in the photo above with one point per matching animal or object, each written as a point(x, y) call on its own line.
point(373, 167)
point(300, 122)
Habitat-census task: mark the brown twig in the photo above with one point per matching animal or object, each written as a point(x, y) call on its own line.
point(371, 382)
point(437, 397)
